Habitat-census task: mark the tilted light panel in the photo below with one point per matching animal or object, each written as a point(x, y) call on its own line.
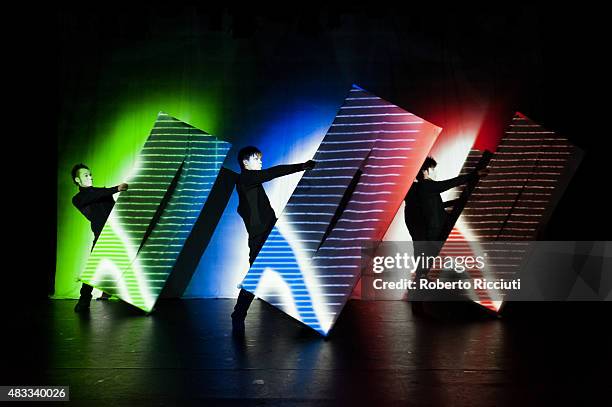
point(528, 174)
point(151, 221)
point(366, 162)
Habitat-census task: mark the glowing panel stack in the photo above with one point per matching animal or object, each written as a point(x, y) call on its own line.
point(150, 222)
point(365, 164)
point(528, 174)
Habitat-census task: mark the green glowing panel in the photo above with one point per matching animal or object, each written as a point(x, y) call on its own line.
point(150, 222)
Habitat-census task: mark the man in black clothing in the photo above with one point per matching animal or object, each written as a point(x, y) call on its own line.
point(256, 212)
point(95, 204)
point(424, 212)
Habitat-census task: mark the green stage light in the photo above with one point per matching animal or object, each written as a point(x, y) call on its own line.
point(109, 141)
point(150, 222)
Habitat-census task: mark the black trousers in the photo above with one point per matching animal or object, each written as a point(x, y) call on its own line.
point(245, 298)
point(425, 242)
point(86, 289)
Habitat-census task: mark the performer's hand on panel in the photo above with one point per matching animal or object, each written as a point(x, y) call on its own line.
point(123, 187)
point(483, 172)
point(309, 165)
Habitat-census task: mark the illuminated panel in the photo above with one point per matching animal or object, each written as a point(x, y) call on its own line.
point(366, 162)
point(528, 174)
point(150, 222)
point(469, 165)
point(454, 157)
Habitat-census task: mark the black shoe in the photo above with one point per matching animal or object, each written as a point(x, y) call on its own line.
point(81, 306)
point(238, 326)
point(104, 297)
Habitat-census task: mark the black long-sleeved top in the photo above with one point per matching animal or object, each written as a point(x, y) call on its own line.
point(253, 203)
point(424, 211)
point(96, 204)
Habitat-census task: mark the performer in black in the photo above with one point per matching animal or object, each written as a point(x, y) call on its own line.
point(424, 211)
point(95, 204)
point(256, 212)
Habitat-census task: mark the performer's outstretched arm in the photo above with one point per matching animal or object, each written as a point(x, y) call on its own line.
point(254, 177)
point(441, 186)
point(93, 194)
point(452, 202)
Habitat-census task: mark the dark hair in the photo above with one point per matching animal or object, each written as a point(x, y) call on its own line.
point(75, 171)
point(246, 153)
point(429, 163)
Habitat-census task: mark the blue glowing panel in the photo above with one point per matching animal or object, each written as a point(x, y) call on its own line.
point(149, 224)
point(366, 162)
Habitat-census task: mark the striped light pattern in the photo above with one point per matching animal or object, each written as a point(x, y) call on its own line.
point(528, 173)
point(150, 222)
point(469, 165)
point(366, 162)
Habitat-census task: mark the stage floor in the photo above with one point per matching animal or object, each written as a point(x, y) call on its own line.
point(379, 352)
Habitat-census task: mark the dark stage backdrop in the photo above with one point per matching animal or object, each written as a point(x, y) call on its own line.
point(276, 78)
